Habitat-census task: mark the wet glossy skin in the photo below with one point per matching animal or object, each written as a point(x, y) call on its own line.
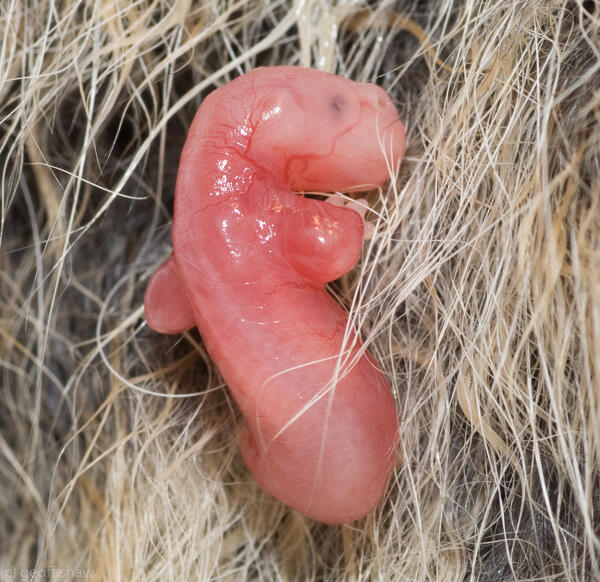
point(249, 261)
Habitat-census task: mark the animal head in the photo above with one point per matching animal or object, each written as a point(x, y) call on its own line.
point(320, 131)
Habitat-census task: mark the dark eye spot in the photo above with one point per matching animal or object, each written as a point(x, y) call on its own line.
point(337, 104)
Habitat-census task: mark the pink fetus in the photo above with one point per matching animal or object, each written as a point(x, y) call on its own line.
point(249, 262)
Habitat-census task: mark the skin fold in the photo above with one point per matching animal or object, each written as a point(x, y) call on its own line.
point(249, 262)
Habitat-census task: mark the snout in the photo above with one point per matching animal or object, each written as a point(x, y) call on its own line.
point(383, 117)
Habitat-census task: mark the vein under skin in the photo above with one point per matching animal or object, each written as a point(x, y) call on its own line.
point(249, 262)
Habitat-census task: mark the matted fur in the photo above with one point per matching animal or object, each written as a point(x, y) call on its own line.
point(479, 293)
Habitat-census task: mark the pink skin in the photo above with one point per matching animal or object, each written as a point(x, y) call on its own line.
point(248, 266)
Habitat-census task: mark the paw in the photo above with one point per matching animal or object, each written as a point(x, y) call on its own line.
point(359, 205)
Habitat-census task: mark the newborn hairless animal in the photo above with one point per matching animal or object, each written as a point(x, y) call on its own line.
point(249, 262)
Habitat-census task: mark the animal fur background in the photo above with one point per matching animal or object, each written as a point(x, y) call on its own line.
point(480, 293)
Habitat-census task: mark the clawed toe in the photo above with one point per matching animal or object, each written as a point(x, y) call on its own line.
point(360, 206)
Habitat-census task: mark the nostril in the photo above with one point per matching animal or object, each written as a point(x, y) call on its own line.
point(383, 101)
